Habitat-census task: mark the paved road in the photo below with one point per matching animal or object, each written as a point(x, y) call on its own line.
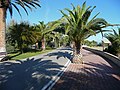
point(97, 73)
point(33, 73)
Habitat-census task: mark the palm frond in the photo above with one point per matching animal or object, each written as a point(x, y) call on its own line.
point(79, 26)
point(91, 21)
point(16, 9)
point(10, 9)
point(9, 4)
point(22, 5)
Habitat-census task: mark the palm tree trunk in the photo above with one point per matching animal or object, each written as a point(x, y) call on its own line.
point(36, 45)
point(77, 56)
point(43, 43)
point(59, 43)
point(2, 32)
point(56, 43)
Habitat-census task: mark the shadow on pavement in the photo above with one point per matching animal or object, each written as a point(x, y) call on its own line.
point(30, 74)
point(93, 52)
point(91, 77)
point(67, 54)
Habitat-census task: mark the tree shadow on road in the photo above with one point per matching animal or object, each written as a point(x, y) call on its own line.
point(65, 53)
point(30, 74)
point(59, 54)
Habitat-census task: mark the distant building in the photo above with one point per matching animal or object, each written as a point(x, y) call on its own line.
point(105, 43)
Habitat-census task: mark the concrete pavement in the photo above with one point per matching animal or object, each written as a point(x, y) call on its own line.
point(97, 73)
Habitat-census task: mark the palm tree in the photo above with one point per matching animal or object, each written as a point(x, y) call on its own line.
point(45, 29)
point(114, 38)
point(21, 35)
point(79, 26)
point(8, 5)
point(56, 36)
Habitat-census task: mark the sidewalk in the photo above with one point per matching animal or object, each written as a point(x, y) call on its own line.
point(34, 73)
point(96, 73)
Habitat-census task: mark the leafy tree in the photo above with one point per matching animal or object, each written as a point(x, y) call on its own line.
point(80, 26)
point(8, 5)
point(114, 38)
point(21, 35)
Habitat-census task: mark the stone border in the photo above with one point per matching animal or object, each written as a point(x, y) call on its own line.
point(109, 56)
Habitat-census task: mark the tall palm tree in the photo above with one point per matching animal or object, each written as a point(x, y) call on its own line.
point(45, 29)
point(8, 5)
point(80, 26)
point(21, 35)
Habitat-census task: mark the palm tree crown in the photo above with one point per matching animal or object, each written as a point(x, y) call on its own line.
point(21, 35)
point(114, 38)
point(79, 23)
point(9, 4)
point(45, 29)
point(79, 26)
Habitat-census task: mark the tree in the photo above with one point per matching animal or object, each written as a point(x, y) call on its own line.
point(21, 35)
point(45, 29)
point(114, 38)
point(93, 43)
point(90, 43)
point(56, 36)
point(80, 26)
point(8, 5)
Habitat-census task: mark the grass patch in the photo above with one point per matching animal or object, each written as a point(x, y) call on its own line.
point(17, 56)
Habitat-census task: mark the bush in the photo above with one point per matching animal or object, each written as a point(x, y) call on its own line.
point(48, 48)
point(111, 50)
point(10, 48)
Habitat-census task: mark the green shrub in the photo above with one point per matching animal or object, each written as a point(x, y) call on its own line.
point(10, 48)
point(111, 50)
point(48, 48)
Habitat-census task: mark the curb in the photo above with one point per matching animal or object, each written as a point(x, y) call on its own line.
point(55, 78)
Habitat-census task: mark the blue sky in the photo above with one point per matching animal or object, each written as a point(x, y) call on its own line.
point(49, 11)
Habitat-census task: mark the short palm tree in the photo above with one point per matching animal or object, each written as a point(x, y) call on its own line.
point(56, 36)
point(8, 5)
point(79, 26)
point(45, 29)
point(21, 35)
point(114, 38)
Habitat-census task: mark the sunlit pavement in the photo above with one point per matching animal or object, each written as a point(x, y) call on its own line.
point(97, 73)
point(33, 73)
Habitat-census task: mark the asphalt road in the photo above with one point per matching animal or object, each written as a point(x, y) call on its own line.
point(35, 72)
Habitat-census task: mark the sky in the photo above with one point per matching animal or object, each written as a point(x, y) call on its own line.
point(49, 11)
